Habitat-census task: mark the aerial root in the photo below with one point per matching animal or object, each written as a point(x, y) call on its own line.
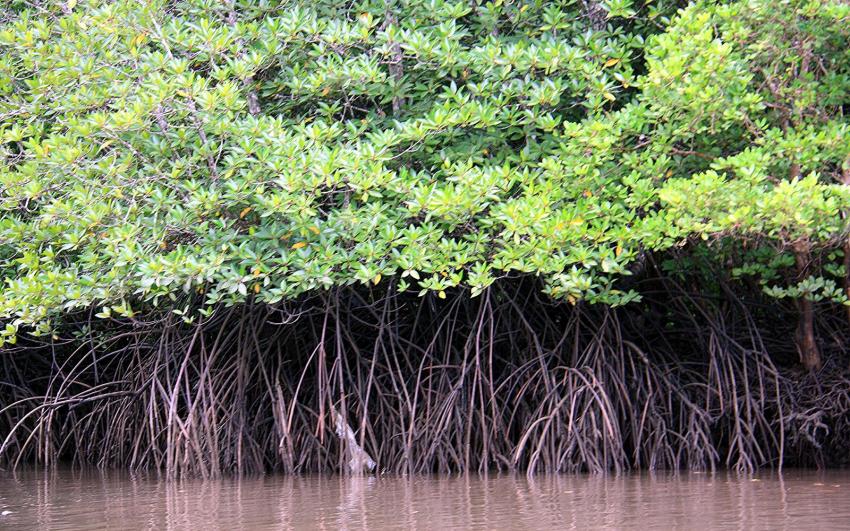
point(404, 385)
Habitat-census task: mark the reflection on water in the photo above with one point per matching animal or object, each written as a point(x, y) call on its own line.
point(70, 500)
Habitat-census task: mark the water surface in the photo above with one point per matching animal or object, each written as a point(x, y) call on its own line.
point(62, 500)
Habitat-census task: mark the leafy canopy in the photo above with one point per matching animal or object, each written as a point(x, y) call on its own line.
point(202, 152)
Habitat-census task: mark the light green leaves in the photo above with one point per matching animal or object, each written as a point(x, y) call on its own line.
point(163, 153)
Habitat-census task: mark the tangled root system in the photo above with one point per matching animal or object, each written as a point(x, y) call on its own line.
point(505, 381)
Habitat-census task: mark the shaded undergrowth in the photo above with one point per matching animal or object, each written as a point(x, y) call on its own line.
point(507, 380)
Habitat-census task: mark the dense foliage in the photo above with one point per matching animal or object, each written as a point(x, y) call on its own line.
point(200, 152)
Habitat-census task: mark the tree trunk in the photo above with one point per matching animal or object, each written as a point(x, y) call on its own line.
point(846, 250)
point(395, 63)
point(806, 344)
point(845, 180)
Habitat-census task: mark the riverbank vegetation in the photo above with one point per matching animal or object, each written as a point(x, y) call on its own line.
point(424, 235)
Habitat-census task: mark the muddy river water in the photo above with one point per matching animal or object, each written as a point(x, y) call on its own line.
point(65, 499)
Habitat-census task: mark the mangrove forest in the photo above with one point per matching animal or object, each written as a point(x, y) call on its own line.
point(424, 236)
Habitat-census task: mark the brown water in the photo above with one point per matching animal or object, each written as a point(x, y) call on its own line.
point(70, 500)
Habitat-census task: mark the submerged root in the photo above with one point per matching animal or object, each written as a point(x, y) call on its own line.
point(360, 381)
